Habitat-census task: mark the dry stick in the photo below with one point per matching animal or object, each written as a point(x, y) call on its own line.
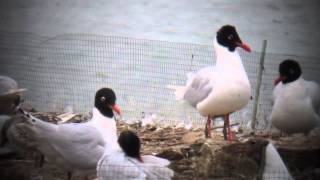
point(218, 127)
point(158, 138)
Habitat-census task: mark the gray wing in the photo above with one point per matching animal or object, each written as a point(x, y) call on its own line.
point(80, 144)
point(198, 90)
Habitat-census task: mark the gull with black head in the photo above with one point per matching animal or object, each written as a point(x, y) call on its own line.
point(218, 91)
point(77, 147)
point(296, 101)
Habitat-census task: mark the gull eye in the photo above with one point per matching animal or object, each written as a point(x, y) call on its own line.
point(230, 37)
point(103, 98)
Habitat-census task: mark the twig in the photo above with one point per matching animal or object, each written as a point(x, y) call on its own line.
point(218, 127)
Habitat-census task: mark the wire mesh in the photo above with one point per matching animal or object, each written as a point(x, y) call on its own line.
point(68, 69)
point(276, 175)
point(132, 172)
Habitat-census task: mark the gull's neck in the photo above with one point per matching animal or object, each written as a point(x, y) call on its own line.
point(98, 116)
point(226, 59)
point(107, 128)
point(296, 82)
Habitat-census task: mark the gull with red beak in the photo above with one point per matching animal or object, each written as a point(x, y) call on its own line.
point(219, 90)
point(296, 101)
point(77, 147)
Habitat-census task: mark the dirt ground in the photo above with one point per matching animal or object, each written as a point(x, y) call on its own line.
point(194, 157)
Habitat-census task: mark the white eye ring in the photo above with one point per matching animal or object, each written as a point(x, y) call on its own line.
point(230, 37)
point(103, 98)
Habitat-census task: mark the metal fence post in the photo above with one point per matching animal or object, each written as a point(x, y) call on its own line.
point(258, 85)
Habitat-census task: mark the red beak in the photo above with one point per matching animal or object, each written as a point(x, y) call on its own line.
point(245, 47)
point(116, 109)
point(279, 79)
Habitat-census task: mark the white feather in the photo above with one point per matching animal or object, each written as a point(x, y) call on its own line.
point(117, 166)
point(77, 147)
point(296, 106)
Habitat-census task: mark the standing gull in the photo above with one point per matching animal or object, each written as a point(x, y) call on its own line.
point(222, 89)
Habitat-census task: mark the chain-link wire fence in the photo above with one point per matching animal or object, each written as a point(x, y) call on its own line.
point(153, 172)
point(68, 69)
point(134, 172)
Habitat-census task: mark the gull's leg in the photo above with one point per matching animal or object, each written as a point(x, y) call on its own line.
point(231, 134)
point(225, 127)
point(69, 175)
point(208, 128)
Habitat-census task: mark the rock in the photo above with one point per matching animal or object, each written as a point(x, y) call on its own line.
point(303, 163)
point(191, 137)
point(171, 155)
point(219, 159)
point(315, 133)
point(203, 163)
point(309, 173)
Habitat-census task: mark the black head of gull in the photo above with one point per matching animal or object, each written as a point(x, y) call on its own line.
point(289, 71)
point(130, 144)
point(105, 102)
point(228, 37)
